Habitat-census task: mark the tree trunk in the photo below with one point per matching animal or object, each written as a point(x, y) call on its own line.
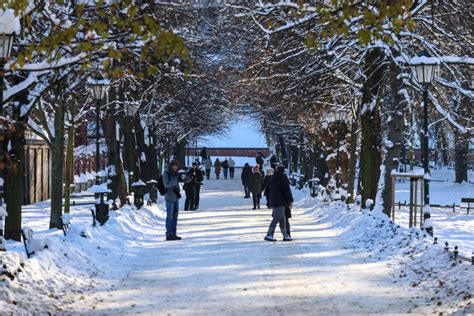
point(395, 110)
point(57, 168)
point(69, 167)
point(370, 125)
point(461, 151)
point(352, 160)
point(14, 181)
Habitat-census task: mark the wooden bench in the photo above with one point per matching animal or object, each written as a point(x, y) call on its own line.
point(467, 203)
point(27, 234)
point(65, 223)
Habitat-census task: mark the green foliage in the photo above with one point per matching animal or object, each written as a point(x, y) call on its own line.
point(105, 31)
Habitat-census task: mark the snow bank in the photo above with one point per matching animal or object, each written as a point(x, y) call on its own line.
point(413, 257)
point(70, 266)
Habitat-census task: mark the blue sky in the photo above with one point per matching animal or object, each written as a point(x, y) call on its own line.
point(243, 133)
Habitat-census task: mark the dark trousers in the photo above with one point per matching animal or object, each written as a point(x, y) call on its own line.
point(208, 173)
point(197, 192)
point(246, 190)
point(217, 175)
point(231, 172)
point(190, 197)
point(256, 199)
point(225, 170)
point(288, 232)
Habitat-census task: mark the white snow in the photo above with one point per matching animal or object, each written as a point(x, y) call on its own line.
point(340, 262)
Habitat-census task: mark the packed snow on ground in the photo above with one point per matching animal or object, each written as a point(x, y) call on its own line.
point(342, 261)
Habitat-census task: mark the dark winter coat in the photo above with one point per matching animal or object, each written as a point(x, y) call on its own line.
point(259, 160)
point(256, 183)
point(266, 182)
point(246, 174)
point(203, 154)
point(225, 164)
point(217, 166)
point(280, 192)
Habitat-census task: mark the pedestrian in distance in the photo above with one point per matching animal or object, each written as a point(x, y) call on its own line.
point(217, 168)
point(225, 168)
point(259, 160)
point(266, 183)
point(280, 198)
point(208, 166)
point(203, 154)
point(273, 162)
point(172, 196)
point(245, 177)
point(231, 167)
point(255, 186)
point(192, 188)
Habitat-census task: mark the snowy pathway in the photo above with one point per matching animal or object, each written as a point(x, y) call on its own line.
point(223, 266)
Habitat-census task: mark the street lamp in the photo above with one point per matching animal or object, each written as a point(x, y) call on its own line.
point(150, 123)
point(339, 118)
point(98, 90)
point(425, 67)
point(6, 44)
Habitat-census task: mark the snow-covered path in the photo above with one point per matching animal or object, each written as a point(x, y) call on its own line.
point(223, 266)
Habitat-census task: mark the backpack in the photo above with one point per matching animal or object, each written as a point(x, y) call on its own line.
point(161, 186)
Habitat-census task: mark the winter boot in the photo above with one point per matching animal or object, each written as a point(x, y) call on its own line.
point(269, 238)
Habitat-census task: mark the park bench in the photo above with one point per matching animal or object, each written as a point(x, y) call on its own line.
point(467, 203)
point(65, 223)
point(27, 234)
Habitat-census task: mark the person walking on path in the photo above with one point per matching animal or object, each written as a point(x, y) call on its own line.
point(208, 166)
point(225, 168)
point(259, 159)
point(217, 168)
point(255, 186)
point(203, 154)
point(192, 188)
point(172, 196)
point(266, 183)
point(245, 177)
point(231, 167)
point(280, 199)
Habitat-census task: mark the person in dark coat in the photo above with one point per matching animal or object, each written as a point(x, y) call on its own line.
point(259, 160)
point(225, 168)
point(256, 186)
point(280, 198)
point(273, 161)
point(192, 188)
point(203, 154)
point(266, 183)
point(245, 177)
point(217, 168)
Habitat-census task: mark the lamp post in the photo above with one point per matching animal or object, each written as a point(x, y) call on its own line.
point(339, 119)
point(425, 68)
point(150, 123)
point(98, 90)
point(6, 44)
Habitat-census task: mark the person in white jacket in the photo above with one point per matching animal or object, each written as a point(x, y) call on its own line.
point(231, 163)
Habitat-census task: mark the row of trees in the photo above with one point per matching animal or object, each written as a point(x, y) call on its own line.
point(155, 56)
point(307, 60)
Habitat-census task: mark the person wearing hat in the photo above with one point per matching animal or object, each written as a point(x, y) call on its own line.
point(266, 182)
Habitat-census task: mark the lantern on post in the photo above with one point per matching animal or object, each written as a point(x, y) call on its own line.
point(425, 68)
point(98, 89)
